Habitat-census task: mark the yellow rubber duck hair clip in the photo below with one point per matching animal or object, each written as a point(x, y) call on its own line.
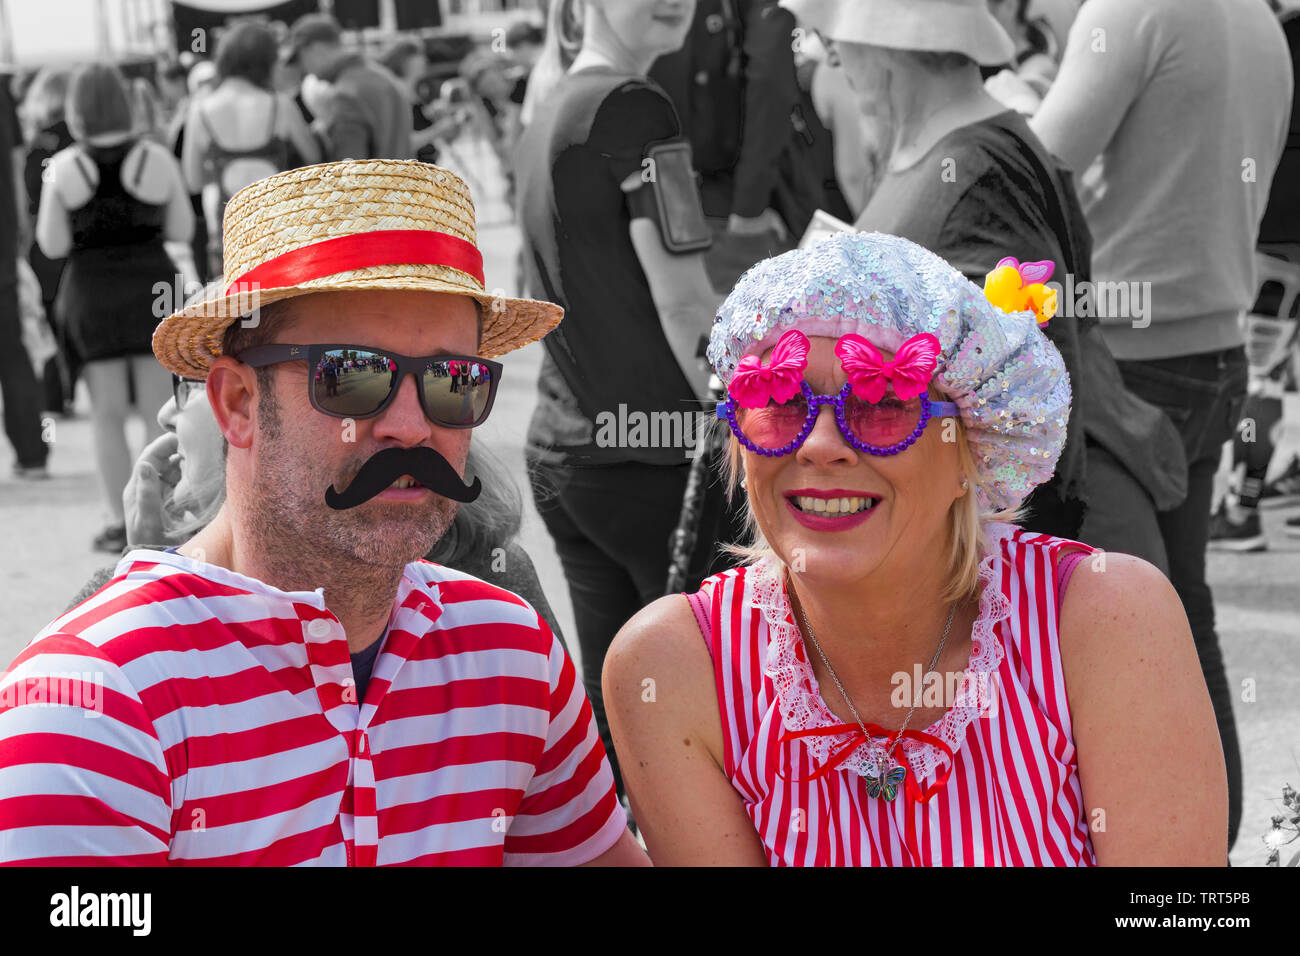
point(1014, 286)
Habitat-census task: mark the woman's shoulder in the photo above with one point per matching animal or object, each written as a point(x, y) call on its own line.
point(72, 176)
point(668, 618)
point(71, 158)
point(150, 172)
point(660, 654)
point(149, 148)
point(682, 619)
point(993, 146)
point(619, 102)
point(1039, 559)
point(227, 108)
point(598, 85)
point(1112, 582)
point(1121, 622)
point(664, 636)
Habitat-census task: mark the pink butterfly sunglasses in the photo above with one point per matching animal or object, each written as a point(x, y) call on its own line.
point(772, 410)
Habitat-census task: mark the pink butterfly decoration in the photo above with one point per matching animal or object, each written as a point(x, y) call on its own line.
point(1030, 272)
point(753, 383)
point(910, 371)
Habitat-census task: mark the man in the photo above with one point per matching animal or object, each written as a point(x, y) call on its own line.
point(1186, 104)
point(1236, 525)
point(734, 86)
point(19, 390)
point(221, 709)
point(331, 378)
point(365, 112)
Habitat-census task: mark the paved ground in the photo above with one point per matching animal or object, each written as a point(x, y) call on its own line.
point(49, 526)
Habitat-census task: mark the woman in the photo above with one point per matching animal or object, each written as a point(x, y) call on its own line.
point(856, 134)
point(967, 179)
point(110, 203)
point(241, 131)
point(799, 730)
point(635, 313)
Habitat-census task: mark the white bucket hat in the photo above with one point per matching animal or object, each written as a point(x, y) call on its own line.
point(932, 26)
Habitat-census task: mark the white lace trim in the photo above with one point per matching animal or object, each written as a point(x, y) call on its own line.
point(799, 698)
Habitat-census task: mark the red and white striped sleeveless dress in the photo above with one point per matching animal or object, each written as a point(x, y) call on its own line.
point(1012, 795)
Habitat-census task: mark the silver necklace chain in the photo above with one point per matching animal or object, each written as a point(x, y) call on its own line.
point(884, 764)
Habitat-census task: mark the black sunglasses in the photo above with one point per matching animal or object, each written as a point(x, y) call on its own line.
point(183, 388)
point(356, 381)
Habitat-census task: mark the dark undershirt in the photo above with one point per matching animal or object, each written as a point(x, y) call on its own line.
point(363, 663)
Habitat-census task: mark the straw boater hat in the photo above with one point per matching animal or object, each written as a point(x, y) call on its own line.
point(933, 26)
point(359, 224)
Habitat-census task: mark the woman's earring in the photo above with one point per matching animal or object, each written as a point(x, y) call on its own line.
point(965, 484)
point(742, 484)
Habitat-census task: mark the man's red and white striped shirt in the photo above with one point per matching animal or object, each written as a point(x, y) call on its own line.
point(1011, 795)
point(203, 717)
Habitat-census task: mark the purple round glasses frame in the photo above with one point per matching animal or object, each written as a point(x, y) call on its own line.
point(726, 410)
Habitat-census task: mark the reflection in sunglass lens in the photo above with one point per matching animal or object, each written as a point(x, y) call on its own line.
point(886, 423)
point(351, 382)
point(774, 426)
point(456, 391)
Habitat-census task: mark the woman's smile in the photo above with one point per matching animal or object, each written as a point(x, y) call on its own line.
point(833, 509)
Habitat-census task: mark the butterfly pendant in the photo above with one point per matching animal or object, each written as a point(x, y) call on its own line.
point(888, 786)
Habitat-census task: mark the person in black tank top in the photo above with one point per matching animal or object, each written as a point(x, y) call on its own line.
point(110, 206)
point(107, 293)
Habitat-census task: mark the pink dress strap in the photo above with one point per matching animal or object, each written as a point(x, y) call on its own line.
point(1065, 566)
point(700, 605)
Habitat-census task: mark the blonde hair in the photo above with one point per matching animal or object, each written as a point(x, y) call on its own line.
point(967, 527)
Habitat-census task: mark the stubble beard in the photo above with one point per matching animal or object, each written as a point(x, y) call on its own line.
point(295, 530)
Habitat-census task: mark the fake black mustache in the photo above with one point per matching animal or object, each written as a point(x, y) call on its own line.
point(423, 464)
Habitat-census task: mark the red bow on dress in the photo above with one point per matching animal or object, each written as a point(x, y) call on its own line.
point(837, 757)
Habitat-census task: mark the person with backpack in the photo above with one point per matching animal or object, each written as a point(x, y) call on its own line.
point(763, 157)
point(243, 130)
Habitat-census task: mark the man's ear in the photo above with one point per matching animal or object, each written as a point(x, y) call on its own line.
point(232, 393)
